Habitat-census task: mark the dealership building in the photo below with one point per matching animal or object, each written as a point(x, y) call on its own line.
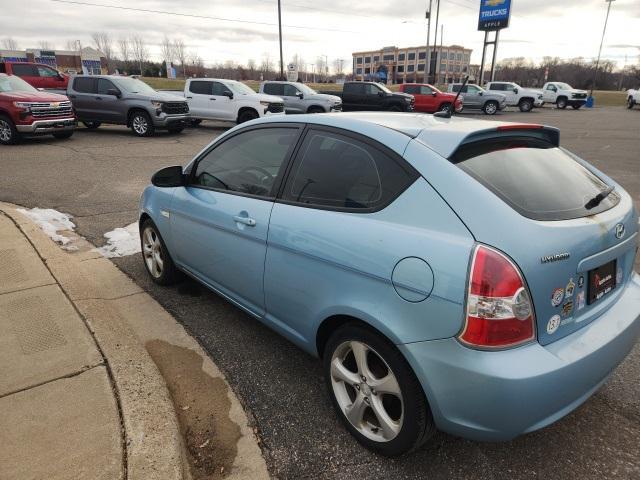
point(88, 60)
point(449, 63)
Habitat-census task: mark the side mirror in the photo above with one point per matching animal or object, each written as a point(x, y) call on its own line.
point(228, 93)
point(60, 76)
point(300, 95)
point(114, 91)
point(381, 94)
point(515, 90)
point(169, 177)
point(480, 93)
point(434, 94)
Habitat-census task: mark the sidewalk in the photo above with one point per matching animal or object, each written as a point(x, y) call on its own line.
point(92, 369)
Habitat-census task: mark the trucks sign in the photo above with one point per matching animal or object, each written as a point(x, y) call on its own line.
point(494, 14)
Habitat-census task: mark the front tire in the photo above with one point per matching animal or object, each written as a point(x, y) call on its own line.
point(155, 255)
point(247, 116)
point(375, 392)
point(316, 109)
point(63, 135)
point(630, 103)
point(445, 107)
point(141, 124)
point(525, 105)
point(490, 108)
point(9, 135)
point(561, 103)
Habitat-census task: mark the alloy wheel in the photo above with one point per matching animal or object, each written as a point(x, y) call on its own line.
point(491, 108)
point(140, 124)
point(5, 131)
point(152, 251)
point(367, 391)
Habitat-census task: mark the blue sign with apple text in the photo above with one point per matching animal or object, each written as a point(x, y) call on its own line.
point(494, 14)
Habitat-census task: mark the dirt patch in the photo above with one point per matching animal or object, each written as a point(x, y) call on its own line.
point(203, 410)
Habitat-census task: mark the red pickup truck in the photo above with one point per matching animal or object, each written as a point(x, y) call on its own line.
point(36, 74)
point(429, 99)
point(26, 111)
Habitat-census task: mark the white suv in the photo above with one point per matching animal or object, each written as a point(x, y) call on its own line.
point(523, 98)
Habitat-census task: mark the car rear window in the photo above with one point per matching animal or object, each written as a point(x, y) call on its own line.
point(536, 178)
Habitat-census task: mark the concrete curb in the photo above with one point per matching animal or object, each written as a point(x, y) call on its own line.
point(124, 320)
point(154, 448)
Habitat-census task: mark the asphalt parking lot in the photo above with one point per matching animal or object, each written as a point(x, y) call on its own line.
point(97, 176)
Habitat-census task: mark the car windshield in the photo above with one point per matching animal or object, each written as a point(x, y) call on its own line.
point(564, 86)
point(240, 88)
point(537, 179)
point(133, 85)
point(383, 88)
point(11, 83)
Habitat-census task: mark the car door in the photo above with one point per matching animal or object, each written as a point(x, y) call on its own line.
point(224, 107)
point(328, 205)
point(509, 92)
point(29, 73)
point(352, 97)
point(84, 89)
point(429, 100)
point(219, 221)
point(198, 97)
point(371, 100)
point(49, 78)
point(414, 90)
point(108, 105)
point(292, 101)
point(471, 96)
point(549, 93)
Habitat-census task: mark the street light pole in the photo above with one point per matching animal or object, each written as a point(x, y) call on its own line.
point(427, 67)
point(604, 30)
point(435, 43)
point(280, 35)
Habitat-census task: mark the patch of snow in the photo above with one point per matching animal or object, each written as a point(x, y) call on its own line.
point(51, 222)
point(121, 242)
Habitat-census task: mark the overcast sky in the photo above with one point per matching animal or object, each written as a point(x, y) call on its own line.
point(336, 28)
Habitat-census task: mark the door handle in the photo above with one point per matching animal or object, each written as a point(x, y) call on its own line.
point(98, 98)
point(189, 97)
point(245, 220)
point(72, 96)
point(212, 99)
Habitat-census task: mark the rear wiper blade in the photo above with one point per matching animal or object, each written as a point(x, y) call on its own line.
point(595, 201)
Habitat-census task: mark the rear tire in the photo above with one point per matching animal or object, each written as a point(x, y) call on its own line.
point(406, 422)
point(155, 256)
point(490, 108)
point(63, 135)
point(525, 105)
point(561, 103)
point(9, 135)
point(247, 116)
point(92, 125)
point(630, 103)
point(141, 124)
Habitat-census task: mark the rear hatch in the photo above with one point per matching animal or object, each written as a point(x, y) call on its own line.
point(570, 229)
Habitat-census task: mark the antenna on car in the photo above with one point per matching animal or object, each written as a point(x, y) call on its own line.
point(448, 113)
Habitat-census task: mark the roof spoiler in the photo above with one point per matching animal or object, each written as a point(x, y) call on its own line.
point(542, 132)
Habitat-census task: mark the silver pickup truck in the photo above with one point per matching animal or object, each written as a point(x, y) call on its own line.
point(299, 98)
point(99, 99)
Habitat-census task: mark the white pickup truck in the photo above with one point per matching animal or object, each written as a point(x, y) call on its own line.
point(633, 98)
point(228, 101)
point(523, 98)
point(563, 94)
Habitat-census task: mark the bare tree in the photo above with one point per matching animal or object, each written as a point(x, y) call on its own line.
point(180, 51)
point(9, 43)
point(103, 42)
point(338, 66)
point(125, 49)
point(167, 50)
point(72, 45)
point(44, 45)
point(321, 67)
point(266, 67)
point(139, 50)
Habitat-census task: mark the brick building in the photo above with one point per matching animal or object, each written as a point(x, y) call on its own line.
point(88, 60)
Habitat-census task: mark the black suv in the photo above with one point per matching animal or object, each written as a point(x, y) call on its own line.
point(374, 96)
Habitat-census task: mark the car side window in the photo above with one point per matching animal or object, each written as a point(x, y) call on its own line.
point(84, 85)
point(290, 90)
point(471, 89)
point(25, 70)
point(47, 72)
point(105, 85)
point(249, 162)
point(218, 89)
point(412, 89)
point(274, 89)
point(424, 90)
point(551, 87)
point(496, 86)
point(371, 89)
point(340, 172)
point(200, 87)
point(354, 88)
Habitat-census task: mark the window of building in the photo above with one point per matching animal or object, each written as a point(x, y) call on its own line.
point(458, 68)
point(443, 67)
point(410, 68)
point(241, 164)
point(342, 172)
point(421, 67)
point(367, 59)
point(422, 55)
point(452, 56)
point(367, 70)
point(359, 60)
point(401, 57)
point(376, 58)
point(411, 56)
point(400, 68)
point(389, 58)
point(459, 57)
point(358, 71)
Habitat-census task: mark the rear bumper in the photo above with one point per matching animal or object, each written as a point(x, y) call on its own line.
point(500, 395)
point(48, 126)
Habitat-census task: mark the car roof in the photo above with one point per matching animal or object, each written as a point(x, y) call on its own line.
point(443, 135)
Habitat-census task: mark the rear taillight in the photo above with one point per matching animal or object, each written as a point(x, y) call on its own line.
point(499, 310)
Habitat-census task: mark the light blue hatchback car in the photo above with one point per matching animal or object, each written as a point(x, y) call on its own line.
point(465, 275)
